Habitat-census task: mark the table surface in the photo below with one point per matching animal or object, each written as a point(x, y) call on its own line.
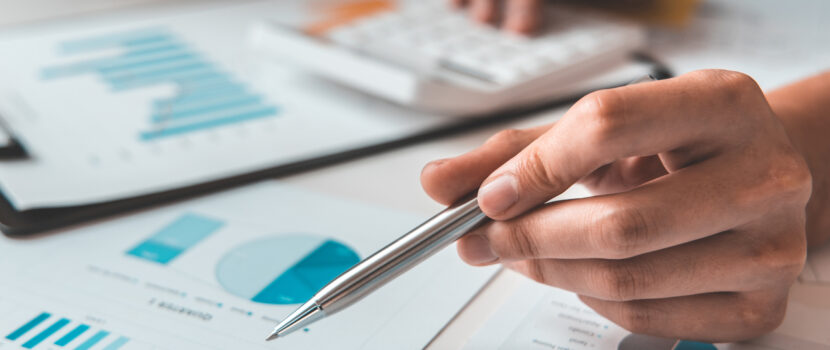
point(758, 37)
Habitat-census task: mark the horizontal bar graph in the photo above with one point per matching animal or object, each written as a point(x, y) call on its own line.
point(72, 335)
point(46, 333)
point(175, 238)
point(93, 340)
point(207, 96)
point(60, 333)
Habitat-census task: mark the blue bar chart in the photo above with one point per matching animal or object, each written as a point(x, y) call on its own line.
point(32, 334)
point(175, 238)
point(207, 96)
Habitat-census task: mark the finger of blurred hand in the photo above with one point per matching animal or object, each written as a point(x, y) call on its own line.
point(484, 10)
point(608, 125)
point(446, 180)
point(523, 16)
point(720, 263)
point(715, 317)
point(458, 3)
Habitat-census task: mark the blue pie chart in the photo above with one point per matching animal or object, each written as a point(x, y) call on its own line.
point(283, 269)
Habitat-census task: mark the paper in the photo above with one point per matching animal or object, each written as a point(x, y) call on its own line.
point(113, 107)
point(219, 273)
point(541, 317)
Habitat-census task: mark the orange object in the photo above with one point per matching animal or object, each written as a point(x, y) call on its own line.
point(344, 12)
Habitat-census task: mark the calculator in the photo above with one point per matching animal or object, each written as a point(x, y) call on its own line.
point(426, 55)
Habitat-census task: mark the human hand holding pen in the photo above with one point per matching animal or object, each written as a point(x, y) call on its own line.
point(698, 227)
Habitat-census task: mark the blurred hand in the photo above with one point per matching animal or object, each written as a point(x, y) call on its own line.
point(698, 227)
point(519, 16)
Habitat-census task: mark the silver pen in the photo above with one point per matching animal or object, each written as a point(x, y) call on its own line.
point(396, 258)
point(383, 266)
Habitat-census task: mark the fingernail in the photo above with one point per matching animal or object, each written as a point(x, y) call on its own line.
point(499, 195)
point(478, 250)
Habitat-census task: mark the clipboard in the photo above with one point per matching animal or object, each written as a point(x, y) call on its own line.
point(17, 223)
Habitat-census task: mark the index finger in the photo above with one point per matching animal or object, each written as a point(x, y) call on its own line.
point(607, 125)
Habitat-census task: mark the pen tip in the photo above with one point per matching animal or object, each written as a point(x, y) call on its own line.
point(273, 336)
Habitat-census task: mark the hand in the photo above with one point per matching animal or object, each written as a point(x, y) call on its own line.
point(520, 16)
point(698, 228)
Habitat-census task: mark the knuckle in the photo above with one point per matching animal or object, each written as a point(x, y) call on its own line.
point(605, 114)
point(735, 85)
point(507, 138)
point(783, 258)
point(634, 317)
point(534, 170)
point(535, 271)
point(620, 232)
point(764, 317)
point(789, 177)
point(618, 280)
point(512, 240)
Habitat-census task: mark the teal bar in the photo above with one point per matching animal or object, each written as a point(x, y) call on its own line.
point(147, 62)
point(175, 112)
point(117, 344)
point(131, 38)
point(165, 47)
point(69, 337)
point(45, 334)
point(198, 95)
point(112, 63)
point(93, 340)
point(28, 326)
point(155, 72)
point(210, 123)
point(175, 77)
point(175, 238)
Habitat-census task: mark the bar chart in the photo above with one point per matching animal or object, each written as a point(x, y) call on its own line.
point(175, 238)
point(47, 330)
point(208, 96)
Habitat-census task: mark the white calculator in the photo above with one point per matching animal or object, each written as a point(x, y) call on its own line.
point(426, 55)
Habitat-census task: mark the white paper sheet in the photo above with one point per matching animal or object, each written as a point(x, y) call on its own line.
point(540, 317)
point(88, 100)
point(117, 277)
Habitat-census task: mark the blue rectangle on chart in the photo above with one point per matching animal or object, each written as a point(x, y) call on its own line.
point(117, 40)
point(28, 326)
point(93, 340)
point(114, 63)
point(209, 123)
point(155, 72)
point(175, 238)
point(69, 337)
point(132, 63)
point(46, 333)
point(175, 77)
point(198, 95)
point(117, 344)
point(213, 106)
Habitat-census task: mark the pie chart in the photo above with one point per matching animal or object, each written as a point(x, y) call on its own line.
point(283, 269)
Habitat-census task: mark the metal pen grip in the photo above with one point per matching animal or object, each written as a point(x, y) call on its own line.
point(401, 255)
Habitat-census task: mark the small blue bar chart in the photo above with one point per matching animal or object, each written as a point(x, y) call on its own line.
point(175, 238)
point(47, 331)
point(208, 96)
point(283, 269)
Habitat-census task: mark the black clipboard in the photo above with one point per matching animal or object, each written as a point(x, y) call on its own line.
point(17, 223)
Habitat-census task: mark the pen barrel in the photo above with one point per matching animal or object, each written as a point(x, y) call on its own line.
point(401, 255)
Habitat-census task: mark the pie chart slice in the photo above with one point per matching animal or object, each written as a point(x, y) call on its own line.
point(284, 269)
